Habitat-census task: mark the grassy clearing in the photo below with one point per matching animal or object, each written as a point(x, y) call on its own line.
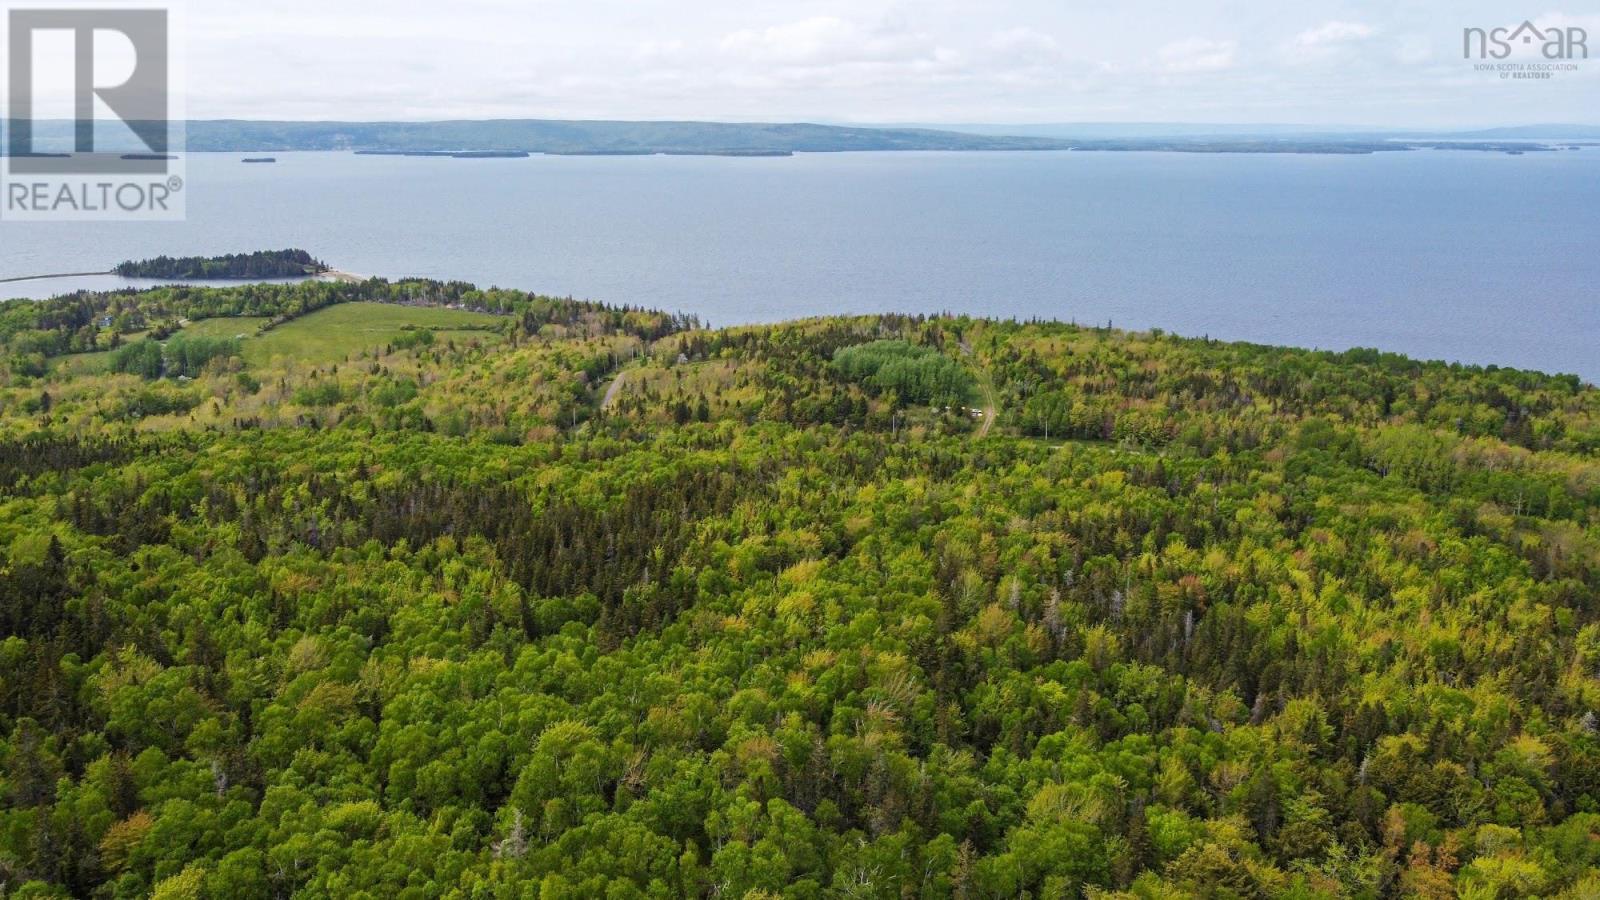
point(237, 326)
point(332, 334)
point(74, 365)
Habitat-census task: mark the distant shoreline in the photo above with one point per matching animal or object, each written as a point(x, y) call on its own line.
point(1248, 147)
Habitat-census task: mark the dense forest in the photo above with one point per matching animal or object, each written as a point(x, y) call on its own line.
point(412, 590)
point(236, 266)
point(916, 374)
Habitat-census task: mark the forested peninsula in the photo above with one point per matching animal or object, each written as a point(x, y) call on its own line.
point(231, 267)
point(414, 589)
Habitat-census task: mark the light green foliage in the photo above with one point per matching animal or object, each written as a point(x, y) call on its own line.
point(918, 375)
point(388, 616)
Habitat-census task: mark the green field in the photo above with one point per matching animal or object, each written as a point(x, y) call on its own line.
point(331, 334)
point(93, 363)
point(327, 335)
point(237, 326)
point(75, 364)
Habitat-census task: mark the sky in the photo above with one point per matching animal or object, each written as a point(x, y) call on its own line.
point(1323, 62)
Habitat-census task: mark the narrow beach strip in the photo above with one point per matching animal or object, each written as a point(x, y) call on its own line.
point(59, 275)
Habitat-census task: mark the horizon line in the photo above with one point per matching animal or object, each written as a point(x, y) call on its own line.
point(838, 123)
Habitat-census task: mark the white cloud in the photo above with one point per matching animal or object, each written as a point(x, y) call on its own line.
point(1197, 55)
point(1414, 50)
point(654, 51)
point(1351, 61)
point(1335, 32)
point(1025, 43)
point(828, 40)
point(1589, 23)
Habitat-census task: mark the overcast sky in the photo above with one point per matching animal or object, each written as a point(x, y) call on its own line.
point(1397, 62)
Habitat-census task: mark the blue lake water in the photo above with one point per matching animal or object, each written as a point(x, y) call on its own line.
point(1468, 256)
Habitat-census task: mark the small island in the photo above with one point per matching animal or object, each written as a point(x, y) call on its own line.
point(233, 267)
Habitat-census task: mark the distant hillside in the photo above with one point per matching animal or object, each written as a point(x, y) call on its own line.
point(1081, 131)
point(550, 136)
point(516, 137)
point(1535, 132)
point(1172, 131)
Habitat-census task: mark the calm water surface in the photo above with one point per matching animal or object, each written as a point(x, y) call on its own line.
point(1466, 256)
